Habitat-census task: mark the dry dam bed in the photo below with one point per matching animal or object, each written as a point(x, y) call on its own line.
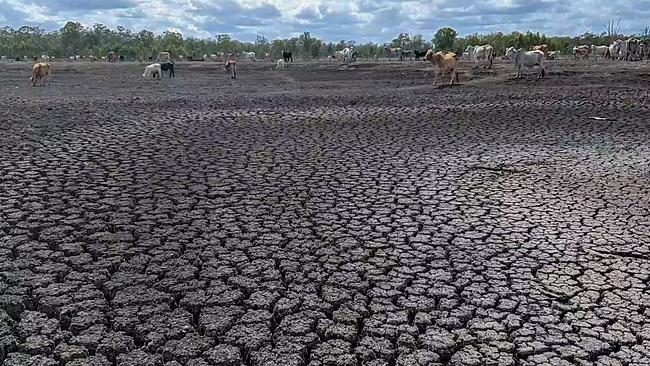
point(325, 215)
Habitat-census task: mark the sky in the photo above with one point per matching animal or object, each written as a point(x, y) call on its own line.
point(332, 20)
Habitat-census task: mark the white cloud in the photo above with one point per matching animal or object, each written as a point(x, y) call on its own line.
point(361, 20)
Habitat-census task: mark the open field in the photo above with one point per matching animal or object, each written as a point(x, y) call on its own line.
point(325, 215)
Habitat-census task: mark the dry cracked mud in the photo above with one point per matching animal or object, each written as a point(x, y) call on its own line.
point(325, 215)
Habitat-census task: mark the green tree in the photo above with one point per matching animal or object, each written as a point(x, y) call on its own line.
point(403, 40)
point(71, 38)
point(418, 43)
point(444, 39)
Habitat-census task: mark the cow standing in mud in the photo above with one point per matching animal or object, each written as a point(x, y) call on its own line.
point(231, 69)
point(419, 54)
point(287, 56)
point(168, 66)
point(41, 71)
point(443, 63)
point(152, 71)
point(526, 59)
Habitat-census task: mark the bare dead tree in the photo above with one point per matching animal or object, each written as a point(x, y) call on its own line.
point(612, 28)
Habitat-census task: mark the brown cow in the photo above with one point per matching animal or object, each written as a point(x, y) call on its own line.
point(231, 69)
point(541, 47)
point(40, 71)
point(443, 63)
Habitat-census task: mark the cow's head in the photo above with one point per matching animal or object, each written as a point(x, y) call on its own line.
point(429, 56)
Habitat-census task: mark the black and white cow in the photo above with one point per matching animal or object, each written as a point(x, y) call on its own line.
point(168, 66)
point(287, 56)
point(419, 54)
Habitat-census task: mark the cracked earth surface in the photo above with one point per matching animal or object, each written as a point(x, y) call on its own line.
point(325, 216)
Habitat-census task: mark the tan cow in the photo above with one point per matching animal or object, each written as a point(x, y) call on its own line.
point(581, 52)
point(231, 68)
point(443, 63)
point(541, 47)
point(164, 56)
point(40, 71)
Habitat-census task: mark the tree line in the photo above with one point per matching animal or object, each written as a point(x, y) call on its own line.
point(75, 39)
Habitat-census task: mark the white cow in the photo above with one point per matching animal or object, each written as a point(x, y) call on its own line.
point(152, 71)
point(644, 49)
point(340, 55)
point(219, 56)
point(631, 49)
point(350, 55)
point(477, 53)
point(281, 64)
point(527, 59)
point(615, 50)
point(602, 51)
point(553, 55)
point(248, 55)
point(347, 54)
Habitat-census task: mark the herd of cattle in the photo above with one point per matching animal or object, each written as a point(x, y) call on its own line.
point(629, 50)
point(632, 49)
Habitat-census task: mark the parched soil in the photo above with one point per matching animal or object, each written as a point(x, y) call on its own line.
point(325, 215)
